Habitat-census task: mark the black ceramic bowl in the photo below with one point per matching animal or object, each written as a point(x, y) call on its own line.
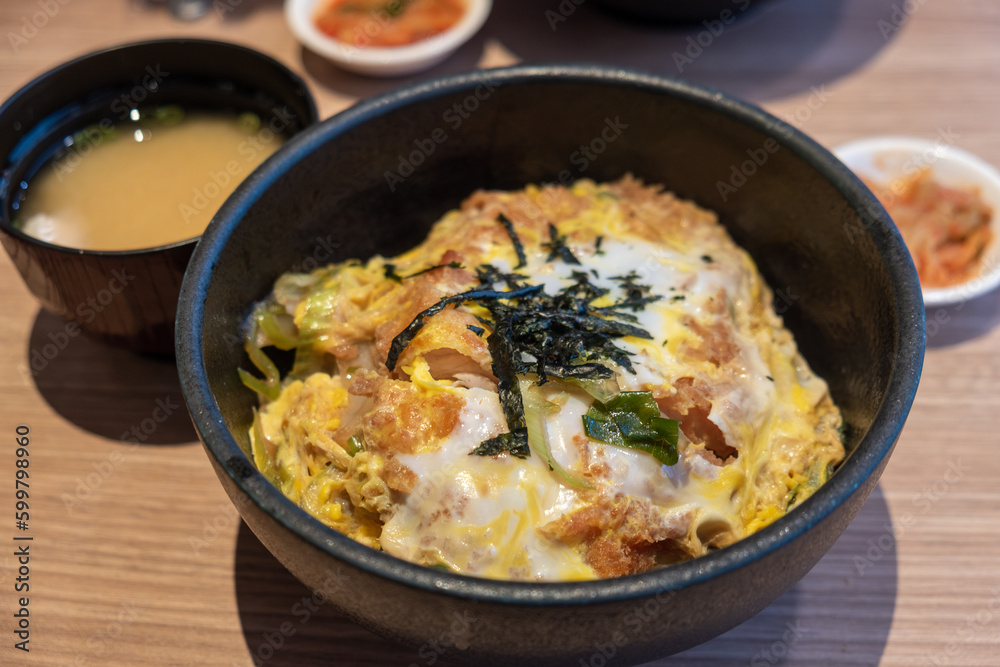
point(374, 178)
point(129, 296)
point(679, 11)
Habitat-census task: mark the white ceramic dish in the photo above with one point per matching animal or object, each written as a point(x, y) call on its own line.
point(882, 159)
point(377, 61)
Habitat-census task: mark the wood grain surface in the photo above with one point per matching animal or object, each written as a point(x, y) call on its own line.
point(138, 557)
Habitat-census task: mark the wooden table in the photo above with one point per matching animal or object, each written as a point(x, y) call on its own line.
point(138, 557)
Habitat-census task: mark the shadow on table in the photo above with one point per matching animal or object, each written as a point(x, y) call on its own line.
point(227, 10)
point(284, 627)
point(963, 321)
point(781, 48)
point(105, 389)
point(845, 604)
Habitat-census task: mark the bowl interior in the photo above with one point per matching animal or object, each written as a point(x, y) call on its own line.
point(373, 180)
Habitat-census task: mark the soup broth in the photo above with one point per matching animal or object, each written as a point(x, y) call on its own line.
point(155, 180)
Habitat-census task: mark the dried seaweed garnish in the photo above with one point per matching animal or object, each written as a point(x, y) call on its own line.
point(558, 248)
point(515, 442)
point(514, 238)
point(390, 273)
point(636, 294)
point(506, 360)
point(487, 274)
point(449, 265)
point(479, 331)
point(561, 336)
point(390, 270)
point(580, 292)
point(484, 296)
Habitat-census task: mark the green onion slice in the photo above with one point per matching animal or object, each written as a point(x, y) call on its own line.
point(536, 409)
point(632, 420)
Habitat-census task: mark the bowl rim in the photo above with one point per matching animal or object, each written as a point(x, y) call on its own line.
point(984, 175)
point(384, 61)
point(869, 455)
point(40, 80)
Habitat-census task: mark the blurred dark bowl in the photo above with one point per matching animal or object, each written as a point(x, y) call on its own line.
point(679, 11)
point(127, 297)
point(818, 235)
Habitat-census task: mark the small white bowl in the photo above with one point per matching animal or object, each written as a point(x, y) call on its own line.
point(384, 61)
point(882, 159)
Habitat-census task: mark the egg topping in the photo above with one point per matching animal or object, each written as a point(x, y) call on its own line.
point(557, 384)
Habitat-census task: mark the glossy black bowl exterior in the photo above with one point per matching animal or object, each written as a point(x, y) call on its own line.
point(130, 296)
point(679, 11)
point(373, 179)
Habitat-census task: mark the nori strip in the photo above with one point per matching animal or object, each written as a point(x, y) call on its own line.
point(558, 248)
point(514, 238)
point(390, 273)
point(400, 342)
point(506, 367)
point(449, 265)
point(636, 295)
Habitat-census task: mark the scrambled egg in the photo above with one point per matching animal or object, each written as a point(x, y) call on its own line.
point(381, 452)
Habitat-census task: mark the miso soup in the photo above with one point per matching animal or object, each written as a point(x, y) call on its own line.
point(155, 179)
